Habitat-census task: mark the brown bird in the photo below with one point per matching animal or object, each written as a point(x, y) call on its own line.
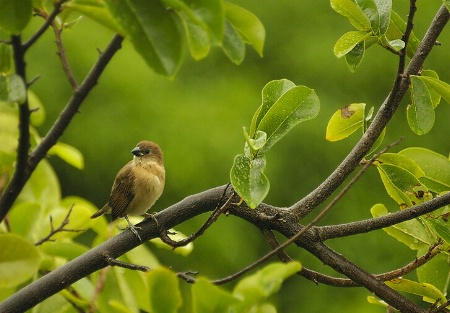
point(138, 185)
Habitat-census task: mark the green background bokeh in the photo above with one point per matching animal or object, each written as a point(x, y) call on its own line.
point(197, 120)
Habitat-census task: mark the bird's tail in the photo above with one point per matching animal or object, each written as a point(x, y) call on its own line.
point(105, 209)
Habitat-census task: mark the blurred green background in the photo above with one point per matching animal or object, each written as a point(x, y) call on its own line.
point(197, 120)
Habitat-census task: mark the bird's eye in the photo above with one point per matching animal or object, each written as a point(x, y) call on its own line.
point(146, 151)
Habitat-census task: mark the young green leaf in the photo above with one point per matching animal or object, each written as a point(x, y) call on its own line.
point(271, 92)
point(95, 10)
point(436, 271)
point(5, 59)
point(353, 13)
point(435, 96)
point(15, 15)
point(397, 27)
point(435, 166)
point(355, 56)
point(248, 25)
point(69, 154)
point(207, 297)
point(345, 121)
point(348, 41)
point(298, 104)
point(232, 45)
point(259, 286)
point(412, 233)
point(378, 12)
point(402, 161)
point(429, 293)
point(438, 85)
point(152, 30)
point(420, 113)
point(248, 179)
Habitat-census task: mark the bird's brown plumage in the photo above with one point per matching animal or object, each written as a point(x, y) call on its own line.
point(138, 184)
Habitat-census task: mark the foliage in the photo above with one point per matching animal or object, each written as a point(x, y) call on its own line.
point(43, 228)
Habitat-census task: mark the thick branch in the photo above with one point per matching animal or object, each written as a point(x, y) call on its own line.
point(99, 256)
point(348, 229)
point(20, 178)
point(385, 113)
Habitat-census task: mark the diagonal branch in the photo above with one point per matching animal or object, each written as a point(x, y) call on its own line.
point(26, 165)
point(384, 115)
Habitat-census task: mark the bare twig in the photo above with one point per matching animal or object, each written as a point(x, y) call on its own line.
point(60, 228)
point(48, 21)
point(63, 57)
point(130, 266)
point(212, 218)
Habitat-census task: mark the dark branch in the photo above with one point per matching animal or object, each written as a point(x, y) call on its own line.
point(48, 21)
point(384, 115)
point(26, 165)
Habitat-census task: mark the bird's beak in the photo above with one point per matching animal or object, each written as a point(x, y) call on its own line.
point(137, 152)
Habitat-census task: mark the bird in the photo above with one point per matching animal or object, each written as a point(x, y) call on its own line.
point(137, 185)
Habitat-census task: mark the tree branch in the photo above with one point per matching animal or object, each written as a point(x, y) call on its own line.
point(384, 115)
point(26, 165)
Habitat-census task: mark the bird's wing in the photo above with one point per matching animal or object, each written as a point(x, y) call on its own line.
point(122, 192)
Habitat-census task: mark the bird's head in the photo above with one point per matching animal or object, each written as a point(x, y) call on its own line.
point(148, 150)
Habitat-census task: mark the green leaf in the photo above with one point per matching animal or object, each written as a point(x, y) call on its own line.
point(152, 30)
point(253, 145)
point(297, 105)
point(348, 41)
point(79, 221)
point(65, 249)
point(378, 12)
point(69, 154)
point(248, 179)
point(198, 38)
point(435, 96)
point(345, 121)
point(412, 233)
point(95, 10)
point(25, 220)
point(435, 272)
point(15, 15)
point(207, 297)
point(402, 185)
point(177, 236)
point(396, 44)
point(355, 56)
point(439, 86)
point(19, 260)
point(38, 111)
point(159, 281)
point(248, 25)
point(257, 287)
point(12, 89)
point(441, 227)
point(233, 45)
point(271, 92)
point(352, 12)
point(403, 162)
point(396, 30)
point(429, 293)
point(5, 59)
point(420, 113)
point(435, 166)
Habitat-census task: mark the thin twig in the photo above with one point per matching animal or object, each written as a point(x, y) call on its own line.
point(63, 57)
point(60, 228)
point(48, 20)
point(98, 288)
point(130, 266)
point(212, 218)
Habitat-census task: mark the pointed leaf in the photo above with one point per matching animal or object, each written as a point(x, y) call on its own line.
point(435, 166)
point(429, 293)
point(271, 92)
point(441, 87)
point(348, 41)
point(298, 104)
point(378, 12)
point(435, 272)
point(352, 12)
point(207, 297)
point(248, 179)
point(435, 96)
point(152, 30)
point(355, 56)
point(403, 162)
point(248, 25)
point(69, 154)
point(233, 45)
point(345, 121)
point(420, 112)
point(412, 233)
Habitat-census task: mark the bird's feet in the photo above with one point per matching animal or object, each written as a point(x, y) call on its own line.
point(133, 228)
point(152, 216)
